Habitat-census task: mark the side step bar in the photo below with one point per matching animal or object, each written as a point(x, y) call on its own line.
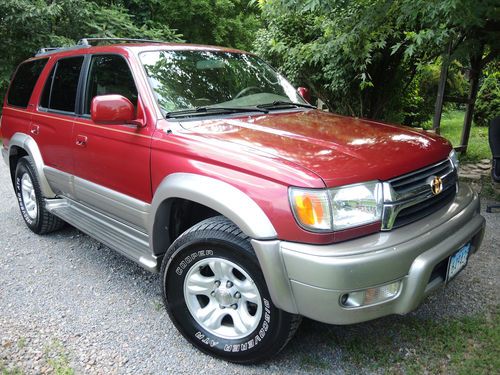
point(126, 240)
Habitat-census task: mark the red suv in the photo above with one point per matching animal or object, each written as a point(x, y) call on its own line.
point(204, 164)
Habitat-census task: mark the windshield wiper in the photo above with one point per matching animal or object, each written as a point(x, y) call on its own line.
point(210, 110)
point(284, 104)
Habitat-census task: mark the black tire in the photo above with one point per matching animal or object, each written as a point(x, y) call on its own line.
point(219, 238)
point(43, 221)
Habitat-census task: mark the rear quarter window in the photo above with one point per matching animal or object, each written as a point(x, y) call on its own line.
point(24, 82)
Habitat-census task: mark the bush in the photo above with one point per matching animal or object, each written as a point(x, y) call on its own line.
point(419, 98)
point(488, 100)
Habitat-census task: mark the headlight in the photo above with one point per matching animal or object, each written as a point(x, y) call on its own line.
point(356, 205)
point(338, 208)
point(454, 159)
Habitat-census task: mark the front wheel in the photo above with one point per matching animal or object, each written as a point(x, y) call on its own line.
point(216, 295)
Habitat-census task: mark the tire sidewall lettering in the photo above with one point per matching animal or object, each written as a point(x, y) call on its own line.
point(190, 258)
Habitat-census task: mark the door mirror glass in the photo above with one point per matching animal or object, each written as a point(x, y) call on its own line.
point(112, 109)
point(305, 93)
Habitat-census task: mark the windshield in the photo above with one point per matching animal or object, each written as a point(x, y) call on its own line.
point(186, 80)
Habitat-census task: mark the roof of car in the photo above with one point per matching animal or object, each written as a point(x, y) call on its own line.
point(132, 46)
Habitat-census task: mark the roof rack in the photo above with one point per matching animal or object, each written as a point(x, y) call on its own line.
point(89, 41)
point(49, 50)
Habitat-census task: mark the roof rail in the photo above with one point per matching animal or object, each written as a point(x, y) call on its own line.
point(47, 49)
point(50, 50)
point(89, 41)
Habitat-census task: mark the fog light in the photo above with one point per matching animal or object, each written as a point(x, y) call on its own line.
point(371, 296)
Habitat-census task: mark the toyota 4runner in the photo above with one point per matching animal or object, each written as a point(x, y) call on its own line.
point(204, 164)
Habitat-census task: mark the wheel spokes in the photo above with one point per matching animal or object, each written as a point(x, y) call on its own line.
point(211, 316)
point(221, 270)
point(199, 284)
point(222, 298)
point(248, 290)
point(241, 325)
point(30, 205)
point(27, 185)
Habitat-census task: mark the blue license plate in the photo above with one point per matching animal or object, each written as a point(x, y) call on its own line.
point(458, 261)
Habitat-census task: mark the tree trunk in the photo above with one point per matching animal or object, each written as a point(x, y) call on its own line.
point(475, 73)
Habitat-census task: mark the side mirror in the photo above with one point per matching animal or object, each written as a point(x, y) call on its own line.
point(113, 109)
point(305, 93)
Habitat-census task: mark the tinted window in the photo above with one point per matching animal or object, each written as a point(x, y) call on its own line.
point(24, 81)
point(109, 74)
point(44, 100)
point(64, 83)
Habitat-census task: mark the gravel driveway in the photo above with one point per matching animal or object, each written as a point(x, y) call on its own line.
point(66, 300)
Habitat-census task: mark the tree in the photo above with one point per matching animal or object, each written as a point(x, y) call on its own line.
point(361, 56)
point(231, 23)
point(28, 25)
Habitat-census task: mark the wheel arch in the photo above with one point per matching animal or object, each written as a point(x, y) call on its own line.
point(206, 193)
point(23, 145)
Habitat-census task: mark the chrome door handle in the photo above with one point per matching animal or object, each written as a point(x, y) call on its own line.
point(81, 140)
point(35, 129)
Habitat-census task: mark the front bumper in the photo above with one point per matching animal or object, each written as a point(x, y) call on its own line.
point(311, 279)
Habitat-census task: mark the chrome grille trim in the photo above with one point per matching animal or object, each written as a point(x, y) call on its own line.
point(415, 188)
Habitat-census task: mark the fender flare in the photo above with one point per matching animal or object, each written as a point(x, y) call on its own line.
point(29, 145)
point(217, 195)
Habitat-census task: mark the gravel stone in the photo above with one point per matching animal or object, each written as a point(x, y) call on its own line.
point(65, 297)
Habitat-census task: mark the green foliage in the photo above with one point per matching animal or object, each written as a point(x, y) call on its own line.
point(451, 128)
point(221, 22)
point(361, 57)
point(419, 99)
point(488, 100)
point(28, 25)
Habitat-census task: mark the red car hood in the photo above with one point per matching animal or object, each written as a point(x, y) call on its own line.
point(340, 150)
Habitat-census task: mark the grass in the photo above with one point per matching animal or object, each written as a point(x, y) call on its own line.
point(57, 359)
point(15, 371)
point(158, 305)
point(5, 371)
point(312, 361)
point(21, 343)
point(451, 129)
point(487, 189)
point(468, 345)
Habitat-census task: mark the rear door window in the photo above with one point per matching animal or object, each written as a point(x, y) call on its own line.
point(24, 82)
point(109, 74)
point(59, 93)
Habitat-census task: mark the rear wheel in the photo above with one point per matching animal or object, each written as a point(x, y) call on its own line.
point(31, 201)
point(216, 295)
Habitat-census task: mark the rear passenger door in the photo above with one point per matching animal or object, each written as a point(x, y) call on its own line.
point(17, 110)
point(112, 160)
point(52, 121)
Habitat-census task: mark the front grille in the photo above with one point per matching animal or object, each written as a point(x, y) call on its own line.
point(422, 209)
point(410, 197)
point(409, 182)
